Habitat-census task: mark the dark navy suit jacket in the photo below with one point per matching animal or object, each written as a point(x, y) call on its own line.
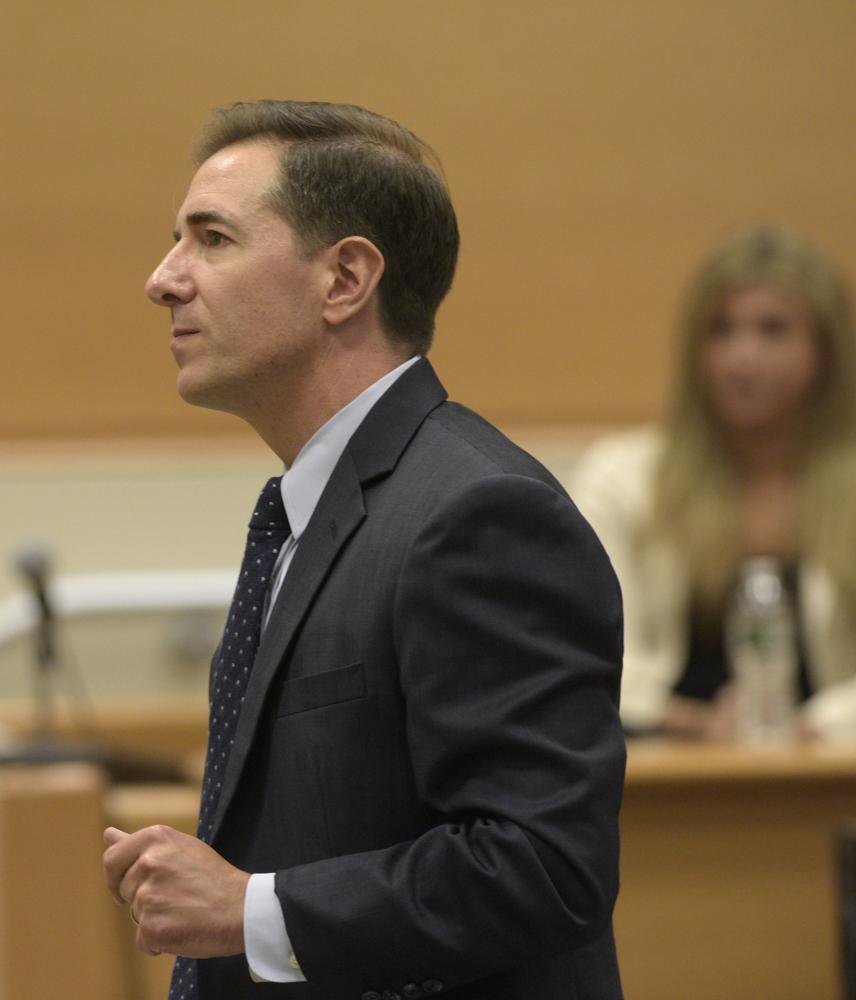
point(429, 754)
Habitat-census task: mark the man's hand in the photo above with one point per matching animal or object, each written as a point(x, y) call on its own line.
point(188, 900)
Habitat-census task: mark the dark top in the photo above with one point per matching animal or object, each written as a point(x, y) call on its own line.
point(707, 668)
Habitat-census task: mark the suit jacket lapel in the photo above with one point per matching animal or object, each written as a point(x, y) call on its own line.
point(372, 452)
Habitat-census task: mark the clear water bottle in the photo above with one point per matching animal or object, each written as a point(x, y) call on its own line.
point(761, 642)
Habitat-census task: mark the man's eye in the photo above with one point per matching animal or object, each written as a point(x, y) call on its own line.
point(213, 238)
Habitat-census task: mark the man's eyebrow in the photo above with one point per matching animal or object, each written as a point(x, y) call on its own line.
point(200, 219)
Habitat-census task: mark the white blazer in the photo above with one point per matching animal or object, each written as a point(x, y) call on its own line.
point(613, 486)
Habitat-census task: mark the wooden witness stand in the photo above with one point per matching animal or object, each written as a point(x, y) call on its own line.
point(729, 880)
point(61, 935)
point(729, 886)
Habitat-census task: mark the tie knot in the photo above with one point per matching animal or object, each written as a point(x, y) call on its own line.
point(269, 513)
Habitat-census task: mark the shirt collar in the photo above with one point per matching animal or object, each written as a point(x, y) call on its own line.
point(303, 484)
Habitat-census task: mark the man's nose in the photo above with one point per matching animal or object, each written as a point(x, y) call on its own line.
point(169, 283)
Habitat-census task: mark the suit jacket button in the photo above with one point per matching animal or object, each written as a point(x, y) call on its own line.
point(371, 995)
point(411, 991)
point(432, 986)
point(391, 995)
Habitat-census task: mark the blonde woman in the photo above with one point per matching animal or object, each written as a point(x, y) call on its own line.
point(757, 457)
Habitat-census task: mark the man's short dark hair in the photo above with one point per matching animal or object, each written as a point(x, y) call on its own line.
point(346, 171)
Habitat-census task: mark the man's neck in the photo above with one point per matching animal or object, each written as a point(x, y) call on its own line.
point(287, 422)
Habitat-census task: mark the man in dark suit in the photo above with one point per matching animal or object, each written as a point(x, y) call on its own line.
point(414, 775)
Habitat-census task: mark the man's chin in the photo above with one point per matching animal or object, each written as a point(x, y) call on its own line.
point(204, 394)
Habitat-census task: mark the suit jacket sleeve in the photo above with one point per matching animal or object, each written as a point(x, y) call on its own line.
point(508, 633)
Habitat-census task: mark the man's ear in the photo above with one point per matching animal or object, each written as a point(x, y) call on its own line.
point(355, 268)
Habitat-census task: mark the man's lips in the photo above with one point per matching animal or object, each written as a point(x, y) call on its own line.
point(181, 335)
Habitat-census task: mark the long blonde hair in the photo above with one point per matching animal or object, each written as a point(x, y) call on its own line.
point(695, 494)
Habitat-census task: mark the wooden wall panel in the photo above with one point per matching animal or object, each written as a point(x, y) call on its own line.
point(58, 922)
point(594, 152)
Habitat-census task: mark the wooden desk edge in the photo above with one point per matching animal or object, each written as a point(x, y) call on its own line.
point(653, 763)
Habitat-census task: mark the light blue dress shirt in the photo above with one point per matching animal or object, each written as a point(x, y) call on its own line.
point(268, 948)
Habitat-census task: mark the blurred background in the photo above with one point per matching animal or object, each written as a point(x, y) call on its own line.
point(594, 152)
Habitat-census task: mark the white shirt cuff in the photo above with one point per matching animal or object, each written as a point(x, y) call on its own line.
point(266, 942)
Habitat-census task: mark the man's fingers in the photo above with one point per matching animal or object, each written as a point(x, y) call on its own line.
point(142, 946)
point(125, 865)
point(121, 853)
point(184, 895)
point(112, 835)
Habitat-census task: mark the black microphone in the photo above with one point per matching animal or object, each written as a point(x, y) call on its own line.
point(33, 562)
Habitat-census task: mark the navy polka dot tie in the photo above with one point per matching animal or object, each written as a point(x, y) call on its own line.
point(268, 531)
